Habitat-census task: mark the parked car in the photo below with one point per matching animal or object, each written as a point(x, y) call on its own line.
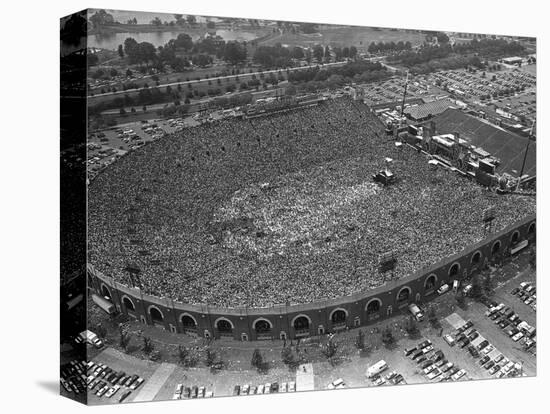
point(459, 375)
point(489, 365)
point(112, 391)
point(177, 392)
point(517, 337)
point(484, 360)
point(494, 369)
point(465, 342)
point(409, 351)
point(124, 395)
point(482, 344)
point(443, 289)
point(473, 335)
point(428, 369)
point(449, 339)
point(488, 349)
point(137, 383)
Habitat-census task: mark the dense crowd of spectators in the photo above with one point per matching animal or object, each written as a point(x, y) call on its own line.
point(280, 209)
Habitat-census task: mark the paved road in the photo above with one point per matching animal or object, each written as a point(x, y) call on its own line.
point(305, 378)
point(155, 383)
point(215, 79)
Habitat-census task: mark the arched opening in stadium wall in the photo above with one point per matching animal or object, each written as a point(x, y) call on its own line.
point(188, 323)
point(156, 315)
point(453, 271)
point(532, 228)
point(429, 286)
point(128, 304)
point(301, 324)
point(224, 326)
point(373, 309)
point(338, 318)
point(515, 238)
point(105, 292)
point(262, 327)
point(476, 258)
point(496, 247)
point(403, 296)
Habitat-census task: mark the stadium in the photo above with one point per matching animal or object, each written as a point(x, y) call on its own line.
point(273, 227)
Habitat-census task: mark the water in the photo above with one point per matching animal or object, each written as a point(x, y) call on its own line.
point(111, 41)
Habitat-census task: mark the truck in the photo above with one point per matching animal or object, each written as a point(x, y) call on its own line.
point(416, 312)
point(376, 369)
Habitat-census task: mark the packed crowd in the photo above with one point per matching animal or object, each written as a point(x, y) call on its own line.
point(280, 209)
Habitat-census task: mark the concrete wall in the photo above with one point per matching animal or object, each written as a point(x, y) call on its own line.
point(242, 321)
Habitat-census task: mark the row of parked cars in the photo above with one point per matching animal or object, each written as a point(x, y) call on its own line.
point(73, 378)
point(511, 324)
point(182, 392)
point(266, 388)
point(466, 336)
point(527, 293)
point(105, 381)
point(433, 363)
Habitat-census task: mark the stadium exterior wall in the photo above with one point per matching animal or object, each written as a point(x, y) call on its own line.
point(282, 321)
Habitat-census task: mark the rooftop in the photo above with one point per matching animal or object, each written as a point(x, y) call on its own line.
point(502, 144)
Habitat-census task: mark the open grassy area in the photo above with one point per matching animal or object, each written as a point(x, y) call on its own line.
point(342, 36)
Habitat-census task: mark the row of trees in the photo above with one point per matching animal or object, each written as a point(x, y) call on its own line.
point(366, 71)
point(446, 56)
point(384, 47)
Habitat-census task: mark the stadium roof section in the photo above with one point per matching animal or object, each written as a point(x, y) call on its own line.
point(427, 110)
point(505, 145)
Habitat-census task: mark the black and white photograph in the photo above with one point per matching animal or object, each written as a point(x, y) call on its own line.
point(253, 200)
point(278, 207)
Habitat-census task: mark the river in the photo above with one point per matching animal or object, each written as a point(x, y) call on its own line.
point(111, 41)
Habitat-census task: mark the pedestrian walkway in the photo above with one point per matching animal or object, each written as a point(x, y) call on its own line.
point(153, 385)
point(304, 378)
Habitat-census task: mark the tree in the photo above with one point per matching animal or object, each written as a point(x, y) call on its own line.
point(477, 289)
point(101, 17)
point(210, 357)
point(411, 326)
point(297, 52)
point(192, 20)
point(432, 317)
point(488, 285)
point(257, 360)
point(353, 52)
point(120, 51)
point(330, 349)
point(183, 41)
point(234, 53)
point(211, 25)
point(327, 54)
point(387, 337)
point(318, 53)
point(179, 19)
point(360, 340)
point(185, 357)
point(156, 21)
point(288, 357)
point(148, 346)
point(460, 301)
